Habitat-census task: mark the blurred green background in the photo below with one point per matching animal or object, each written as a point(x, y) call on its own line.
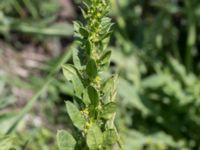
point(156, 51)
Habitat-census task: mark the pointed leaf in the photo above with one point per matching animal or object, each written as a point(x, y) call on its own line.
point(83, 13)
point(77, 26)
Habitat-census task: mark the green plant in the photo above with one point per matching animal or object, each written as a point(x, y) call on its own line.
point(93, 109)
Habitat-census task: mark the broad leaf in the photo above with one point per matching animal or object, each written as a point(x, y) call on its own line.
point(127, 92)
point(105, 58)
point(83, 32)
point(65, 140)
point(72, 75)
point(105, 21)
point(86, 98)
point(6, 142)
point(91, 69)
point(88, 47)
point(109, 89)
point(108, 110)
point(94, 137)
point(93, 95)
point(79, 57)
point(109, 139)
point(75, 115)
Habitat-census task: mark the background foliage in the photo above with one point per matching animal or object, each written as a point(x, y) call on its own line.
point(155, 50)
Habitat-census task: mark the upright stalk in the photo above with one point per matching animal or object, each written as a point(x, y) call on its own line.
point(92, 111)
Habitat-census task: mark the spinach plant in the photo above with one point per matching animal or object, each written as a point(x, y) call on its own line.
point(92, 111)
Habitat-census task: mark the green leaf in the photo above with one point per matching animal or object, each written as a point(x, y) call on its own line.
point(106, 36)
point(106, 27)
point(128, 93)
point(77, 26)
point(93, 95)
point(75, 115)
point(69, 72)
point(65, 140)
point(6, 142)
point(83, 32)
point(109, 89)
point(88, 47)
point(76, 59)
point(84, 13)
point(72, 74)
point(108, 110)
point(109, 139)
point(79, 57)
point(155, 81)
point(86, 98)
point(87, 4)
point(94, 137)
point(105, 58)
point(105, 21)
point(91, 69)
